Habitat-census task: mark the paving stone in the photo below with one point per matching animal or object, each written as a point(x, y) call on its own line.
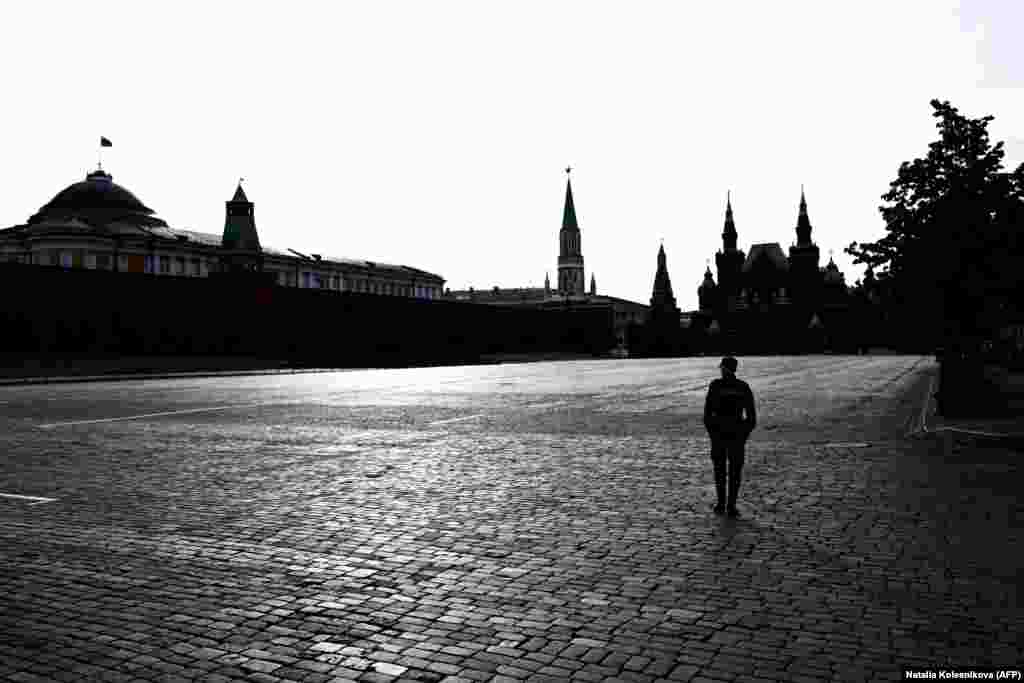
point(527, 544)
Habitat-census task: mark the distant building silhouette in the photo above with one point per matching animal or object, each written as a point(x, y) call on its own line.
point(240, 244)
point(661, 334)
point(570, 255)
point(571, 292)
point(97, 224)
point(663, 302)
point(765, 298)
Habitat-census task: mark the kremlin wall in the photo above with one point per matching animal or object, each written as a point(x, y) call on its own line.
point(96, 271)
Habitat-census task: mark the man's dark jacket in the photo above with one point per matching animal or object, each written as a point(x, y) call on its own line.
point(728, 398)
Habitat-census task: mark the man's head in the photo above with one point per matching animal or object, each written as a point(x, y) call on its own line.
point(728, 366)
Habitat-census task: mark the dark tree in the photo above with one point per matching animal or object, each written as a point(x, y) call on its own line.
point(947, 264)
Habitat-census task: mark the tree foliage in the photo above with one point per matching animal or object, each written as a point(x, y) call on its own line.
point(953, 239)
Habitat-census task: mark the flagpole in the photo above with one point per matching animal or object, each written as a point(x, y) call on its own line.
point(103, 143)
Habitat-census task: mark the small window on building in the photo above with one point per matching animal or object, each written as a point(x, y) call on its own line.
point(194, 266)
point(65, 259)
point(165, 264)
point(149, 263)
point(179, 265)
point(305, 279)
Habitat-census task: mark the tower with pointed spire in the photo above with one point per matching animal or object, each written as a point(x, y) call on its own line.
point(729, 261)
point(764, 300)
point(662, 299)
point(729, 234)
point(240, 243)
point(593, 285)
point(803, 223)
point(570, 251)
point(804, 255)
point(662, 332)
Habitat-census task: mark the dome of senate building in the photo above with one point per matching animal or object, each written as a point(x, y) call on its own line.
point(97, 193)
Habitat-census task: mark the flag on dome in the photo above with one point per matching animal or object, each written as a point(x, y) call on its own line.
point(105, 142)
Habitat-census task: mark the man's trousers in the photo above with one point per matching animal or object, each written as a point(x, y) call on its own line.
point(727, 454)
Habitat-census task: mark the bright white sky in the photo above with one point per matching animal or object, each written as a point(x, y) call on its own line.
point(434, 134)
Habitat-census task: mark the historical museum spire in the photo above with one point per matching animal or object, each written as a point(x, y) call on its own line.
point(570, 251)
point(803, 223)
point(729, 232)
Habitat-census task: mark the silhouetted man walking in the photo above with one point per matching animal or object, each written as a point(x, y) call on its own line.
point(728, 398)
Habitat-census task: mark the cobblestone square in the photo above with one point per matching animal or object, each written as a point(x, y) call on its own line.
point(515, 522)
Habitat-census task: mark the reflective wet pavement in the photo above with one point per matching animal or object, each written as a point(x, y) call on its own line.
point(543, 521)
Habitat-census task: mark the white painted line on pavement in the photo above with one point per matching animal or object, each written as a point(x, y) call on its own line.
point(161, 414)
point(971, 432)
point(927, 402)
point(456, 419)
point(856, 444)
point(37, 499)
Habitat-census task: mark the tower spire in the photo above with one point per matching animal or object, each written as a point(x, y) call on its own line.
point(240, 193)
point(729, 232)
point(570, 252)
point(662, 296)
point(569, 212)
point(803, 222)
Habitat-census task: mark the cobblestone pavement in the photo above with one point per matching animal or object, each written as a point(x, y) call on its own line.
point(538, 522)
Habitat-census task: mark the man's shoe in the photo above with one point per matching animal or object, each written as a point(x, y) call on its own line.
point(733, 512)
point(718, 508)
